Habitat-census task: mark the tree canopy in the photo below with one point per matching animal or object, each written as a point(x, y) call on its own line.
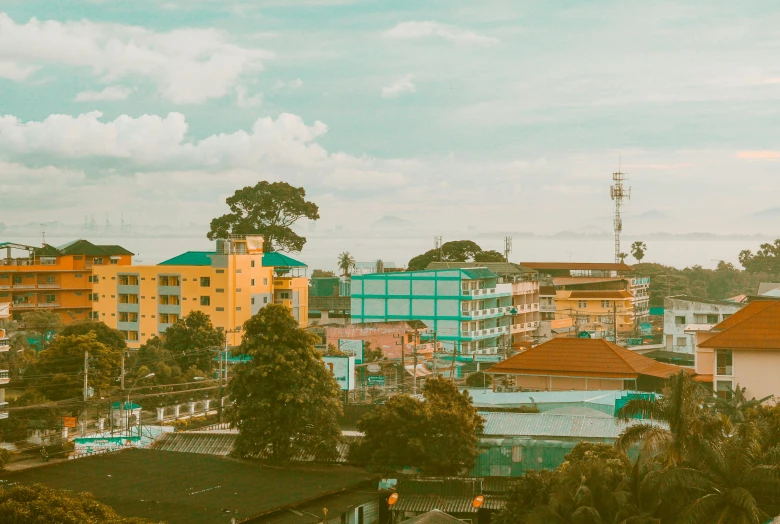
point(38, 504)
point(455, 251)
point(190, 336)
point(104, 334)
point(285, 401)
point(765, 260)
point(638, 250)
point(268, 209)
point(438, 434)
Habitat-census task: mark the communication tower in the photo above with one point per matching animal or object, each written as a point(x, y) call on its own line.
point(618, 193)
point(507, 247)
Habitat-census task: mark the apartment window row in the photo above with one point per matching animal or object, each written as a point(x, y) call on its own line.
point(606, 303)
point(168, 280)
point(128, 299)
point(130, 336)
point(168, 318)
point(582, 304)
point(128, 317)
point(128, 280)
point(169, 300)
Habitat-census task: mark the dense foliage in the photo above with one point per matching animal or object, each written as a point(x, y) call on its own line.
point(285, 401)
point(455, 251)
point(699, 464)
point(439, 434)
point(268, 209)
point(37, 504)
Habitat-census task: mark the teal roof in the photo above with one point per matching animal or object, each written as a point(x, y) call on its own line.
point(479, 272)
point(280, 260)
point(190, 258)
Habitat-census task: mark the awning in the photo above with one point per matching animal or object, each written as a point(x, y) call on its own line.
point(420, 372)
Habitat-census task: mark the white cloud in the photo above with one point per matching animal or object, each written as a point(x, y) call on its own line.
point(109, 93)
point(406, 30)
point(188, 66)
point(399, 87)
point(15, 72)
point(245, 100)
point(290, 84)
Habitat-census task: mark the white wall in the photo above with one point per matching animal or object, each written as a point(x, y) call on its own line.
point(675, 338)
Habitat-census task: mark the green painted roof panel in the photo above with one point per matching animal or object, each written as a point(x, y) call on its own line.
point(190, 258)
point(280, 260)
point(479, 272)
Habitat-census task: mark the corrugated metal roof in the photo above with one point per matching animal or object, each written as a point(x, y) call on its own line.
point(517, 398)
point(420, 503)
point(499, 268)
point(190, 258)
point(479, 272)
point(434, 517)
point(574, 281)
point(546, 425)
point(603, 266)
point(219, 444)
point(280, 260)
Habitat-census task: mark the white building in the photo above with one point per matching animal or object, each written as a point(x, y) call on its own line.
point(5, 377)
point(685, 311)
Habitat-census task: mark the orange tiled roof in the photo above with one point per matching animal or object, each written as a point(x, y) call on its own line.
point(748, 311)
point(617, 293)
point(759, 330)
point(582, 357)
point(574, 281)
point(702, 378)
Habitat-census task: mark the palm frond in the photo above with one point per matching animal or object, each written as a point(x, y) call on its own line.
point(654, 438)
point(643, 407)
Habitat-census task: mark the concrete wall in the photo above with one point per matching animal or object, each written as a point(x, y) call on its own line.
point(758, 372)
point(675, 338)
point(550, 383)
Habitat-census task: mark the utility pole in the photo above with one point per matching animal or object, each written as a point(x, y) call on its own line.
point(122, 376)
point(122, 396)
point(614, 320)
point(86, 393)
point(435, 348)
point(403, 361)
point(220, 385)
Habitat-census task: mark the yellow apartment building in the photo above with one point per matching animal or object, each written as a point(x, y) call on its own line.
point(55, 278)
point(229, 284)
point(596, 310)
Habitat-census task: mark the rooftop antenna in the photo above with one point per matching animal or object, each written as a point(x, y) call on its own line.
point(507, 247)
point(617, 192)
point(437, 247)
point(43, 234)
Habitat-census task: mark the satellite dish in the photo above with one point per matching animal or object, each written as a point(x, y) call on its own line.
point(478, 501)
point(392, 499)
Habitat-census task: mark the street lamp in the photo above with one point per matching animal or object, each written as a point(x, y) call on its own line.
point(127, 421)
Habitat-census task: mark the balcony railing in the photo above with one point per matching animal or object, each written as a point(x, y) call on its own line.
point(487, 312)
point(5, 376)
point(48, 286)
point(24, 286)
point(5, 286)
point(3, 408)
point(23, 305)
point(724, 371)
point(5, 344)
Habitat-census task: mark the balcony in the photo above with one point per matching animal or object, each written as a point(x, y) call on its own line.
point(724, 371)
point(282, 283)
point(488, 292)
point(487, 313)
point(547, 308)
point(24, 286)
point(5, 377)
point(282, 302)
point(48, 304)
point(5, 286)
point(5, 344)
point(21, 305)
point(48, 286)
point(3, 412)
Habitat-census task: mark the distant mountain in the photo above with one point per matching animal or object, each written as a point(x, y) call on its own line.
point(391, 222)
point(772, 212)
point(653, 214)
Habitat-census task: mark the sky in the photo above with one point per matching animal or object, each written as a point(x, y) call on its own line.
point(474, 115)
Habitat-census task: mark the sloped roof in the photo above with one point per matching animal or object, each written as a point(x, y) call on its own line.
point(47, 251)
point(280, 260)
point(582, 357)
point(604, 266)
point(761, 330)
point(746, 312)
point(82, 247)
point(190, 258)
point(601, 294)
point(434, 516)
point(764, 287)
point(554, 425)
point(575, 281)
point(499, 268)
point(113, 249)
point(479, 272)
point(700, 300)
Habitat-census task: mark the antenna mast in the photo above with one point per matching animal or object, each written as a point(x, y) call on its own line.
point(507, 247)
point(437, 246)
point(618, 193)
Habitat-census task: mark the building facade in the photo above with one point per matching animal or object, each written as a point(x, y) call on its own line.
point(470, 311)
point(742, 351)
point(681, 312)
point(597, 311)
point(590, 277)
point(5, 378)
point(59, 279)
point(229, 284)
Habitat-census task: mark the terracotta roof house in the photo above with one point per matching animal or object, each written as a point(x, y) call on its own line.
point(581, 364)
point(743, 350)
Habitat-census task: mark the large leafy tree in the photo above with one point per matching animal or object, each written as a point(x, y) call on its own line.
point(455, 251)
point(191, 338)
point(765, 260)
point(38, 504)
point(268, 209)
point(104, 334)
point(438, 435)
point(638, 250)
point(58, 371)
point(42, 323)
point(285, 401)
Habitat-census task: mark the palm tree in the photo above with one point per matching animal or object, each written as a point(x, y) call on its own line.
point(346, 263)
point(735, 407)
point(638, 250)
point(732, 480)
point(689, 426)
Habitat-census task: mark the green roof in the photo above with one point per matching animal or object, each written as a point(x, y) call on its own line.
point(479, 272)
point(85, 247)
point(190, 258)
point(280, 260)
point(47, 251)
point(127, 405)
point(115, 250)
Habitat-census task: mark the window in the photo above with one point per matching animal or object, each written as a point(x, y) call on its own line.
point(712, 319)
point(17, 279)
point(173, 318)
point(128, 299)
point(205, 301)
point(132, 335)
point(219, 290)
point(78, 257)
point(252, 263)
point(582, 304)
point(265, 281)
point(605, 303)
point(164, 300)
point(724, 362)
point(205, 282)
point(517, 453)
point(285, 295)
point(238, 309)
point(679, 321)
point(220, 309)
point(220, 271)
point(97, 260)
point(77, 293)
point(726, 315)
point(253, 298)
point(723, 390)
point(174, 300)
point(48, 261)
point(49, 299)
point(682, 341)
point(238, 271)
point(265, 300)
point(6, 295)
point(114, 261)
point(163, 318)
point(133, 317)
point(173, 281)
point(163, 281)
point(253, 282)
point(123, 316)
point(50, 279)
